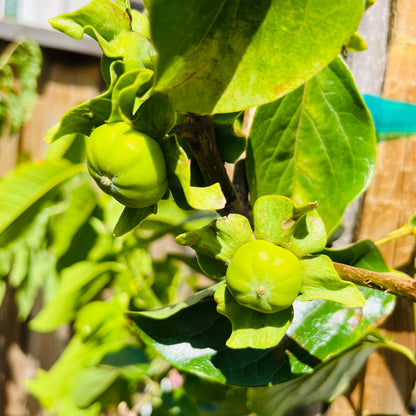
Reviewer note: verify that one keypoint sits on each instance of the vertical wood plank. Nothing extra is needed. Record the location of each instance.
(390, 201)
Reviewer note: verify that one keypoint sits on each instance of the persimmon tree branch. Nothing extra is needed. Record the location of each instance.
(397, 285)
(200, 134)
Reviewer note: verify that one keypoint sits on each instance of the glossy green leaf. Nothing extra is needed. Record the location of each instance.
(26, 185)
(194, 339)
(251, 329)
(179, 176)
(130, 218)
(223, 56)
(221, 238)
(315, 144)
(169, 311)
(321, 281)
(328, 381)
(363, 254)
(279, 220)
(79, 284)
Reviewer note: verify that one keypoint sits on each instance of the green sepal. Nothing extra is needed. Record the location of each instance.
(251, 329)
(126, 91)
(300, 229)
(356, 43)
(155, 117)
(179, 177)
(216, 269)
(131, 218)
(321, 281)
(219, 239)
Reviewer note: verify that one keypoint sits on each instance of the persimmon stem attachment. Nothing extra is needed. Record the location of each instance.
(397, 285)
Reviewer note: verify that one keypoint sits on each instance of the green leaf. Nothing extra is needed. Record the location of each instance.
(20, 66)
(193, 340)
(328, 381)
(279, 220)
(221, 238)
(363, 254)
(169, 311)
(212, 53)
(26, 185)
(252, 329)
(321, 281)
(315, 144)
(79, 284)
(81, 203)
(93, 382)
(130, 218)
(179, 176)
(110, 24)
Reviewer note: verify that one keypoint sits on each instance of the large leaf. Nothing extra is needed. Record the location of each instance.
(324, 384)
(315, 144)
(223, 56)
(28, 184)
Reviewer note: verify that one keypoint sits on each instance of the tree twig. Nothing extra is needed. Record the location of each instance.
(200, 134)
(397, 285)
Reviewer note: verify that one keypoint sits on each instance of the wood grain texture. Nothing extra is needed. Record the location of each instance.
(390, 201)
(386, 383)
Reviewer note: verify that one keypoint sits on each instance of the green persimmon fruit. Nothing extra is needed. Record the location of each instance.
(264, 277)
(127, 164)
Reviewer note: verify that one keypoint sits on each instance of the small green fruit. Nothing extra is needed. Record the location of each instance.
(127, 164)
(264, 276)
